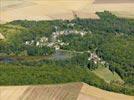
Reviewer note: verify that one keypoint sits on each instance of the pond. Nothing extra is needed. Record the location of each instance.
(8, 60)
(60, 55)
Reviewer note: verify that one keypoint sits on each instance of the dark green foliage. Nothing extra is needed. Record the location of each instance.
(108, 23)
(80, 59)
(91, 65)
(12, 74)
(118, 52)
(39, 51)
(45, 74)
(106, 16)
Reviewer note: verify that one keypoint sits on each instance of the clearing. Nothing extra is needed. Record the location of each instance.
(107, 75)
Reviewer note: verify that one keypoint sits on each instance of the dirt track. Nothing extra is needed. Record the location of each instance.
(71, 91)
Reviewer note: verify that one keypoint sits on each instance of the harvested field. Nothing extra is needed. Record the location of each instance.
(62, 9)
(43, 9)
(99, 94)
(70, 91)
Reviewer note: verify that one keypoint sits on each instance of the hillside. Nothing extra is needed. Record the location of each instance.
(70, 91)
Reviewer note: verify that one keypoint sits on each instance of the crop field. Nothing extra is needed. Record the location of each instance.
(70, 91)
(63, 9)
(44, 92)
(43, 9)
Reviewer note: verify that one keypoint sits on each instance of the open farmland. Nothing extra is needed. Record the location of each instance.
(62, 9)
(70, 91)
(43, 9)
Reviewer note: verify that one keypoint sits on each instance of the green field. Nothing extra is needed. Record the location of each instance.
(107, 75)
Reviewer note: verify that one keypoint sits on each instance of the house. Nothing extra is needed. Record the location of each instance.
(94, 57)
(57, 47)
(37, 43)
(27, 43)
(44, 39)
(50, 44)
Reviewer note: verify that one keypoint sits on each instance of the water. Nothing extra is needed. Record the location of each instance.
(60, 55)
(7, 60)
